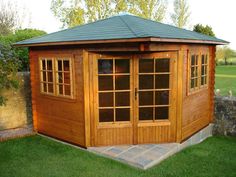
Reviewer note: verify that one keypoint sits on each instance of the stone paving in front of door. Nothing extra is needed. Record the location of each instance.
(141, 156)
(147, 155)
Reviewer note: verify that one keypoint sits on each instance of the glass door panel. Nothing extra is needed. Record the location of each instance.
(114, 90)
(153, 88)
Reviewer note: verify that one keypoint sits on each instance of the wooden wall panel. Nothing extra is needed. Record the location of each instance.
(196, 106)
(154, 134)
(114, 136)
(62, 118)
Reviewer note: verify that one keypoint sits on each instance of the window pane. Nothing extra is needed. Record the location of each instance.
(122, 98)
(60, 89)
(146, 82)
(60, 77)
(162, 65)
(161, 113)
(105, 66)
(106, 115)
(66, 65)
(44, 76)
(67, 78)
(162, 81)
(193, 60)
(195, 82)
(196, 60)
(192, 83)
(50, 77)
(49, 64)
(203, 70)
(105, 99)
(202, 80)
(105, 82)
(203, 59)
(193, 72)
(146, 98)
(162, 97)
(146, 65)
(145, 113)
(59, 65)
(122, 83)
(123, 114)
(122, 66)
(50, 88)
(44, 87)
(43, 64)
(67, 90)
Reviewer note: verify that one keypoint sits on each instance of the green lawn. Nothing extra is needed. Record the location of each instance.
(226, 79)
(36, 156)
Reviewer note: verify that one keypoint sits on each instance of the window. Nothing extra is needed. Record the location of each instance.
(198, 71)
(114, 90)
(56, 76)
(204, 70)
(46, 73)
(63, 77)
(194, 72)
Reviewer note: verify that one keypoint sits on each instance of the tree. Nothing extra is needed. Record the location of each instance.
(152, 9)
(224, 53)
(98, 9)
(181, 14)
(207, 30)
(9, 17)
(8, 70)
(78, 12)
(22, 52)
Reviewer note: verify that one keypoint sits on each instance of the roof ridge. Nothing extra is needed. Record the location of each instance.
(172, 26)
(127, 25)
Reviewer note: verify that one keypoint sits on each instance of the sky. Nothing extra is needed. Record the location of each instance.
(220, 15)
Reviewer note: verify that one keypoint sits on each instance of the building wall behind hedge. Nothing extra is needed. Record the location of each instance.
(17, 112)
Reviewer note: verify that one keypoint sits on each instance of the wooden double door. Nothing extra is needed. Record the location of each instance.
(134, 98)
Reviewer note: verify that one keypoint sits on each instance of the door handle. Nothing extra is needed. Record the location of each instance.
(135, 93)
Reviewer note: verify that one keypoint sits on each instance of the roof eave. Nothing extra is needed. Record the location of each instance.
(147, 39)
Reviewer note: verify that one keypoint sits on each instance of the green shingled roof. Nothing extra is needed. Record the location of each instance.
(121, 27)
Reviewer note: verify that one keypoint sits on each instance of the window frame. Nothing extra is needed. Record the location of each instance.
(199, 87)
(54, 60)
(41, 70)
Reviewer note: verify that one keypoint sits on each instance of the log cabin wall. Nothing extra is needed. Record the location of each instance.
(197, 106)
(62, 118)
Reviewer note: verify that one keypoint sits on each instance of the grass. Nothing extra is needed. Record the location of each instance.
(226, 79)
(36, 156)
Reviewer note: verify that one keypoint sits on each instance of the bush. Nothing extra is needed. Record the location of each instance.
(21, 52)
(9, 65)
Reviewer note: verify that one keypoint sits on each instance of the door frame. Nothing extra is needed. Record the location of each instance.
(134, 123)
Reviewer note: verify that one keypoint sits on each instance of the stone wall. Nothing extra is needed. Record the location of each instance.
(17, 112)
(225, 116)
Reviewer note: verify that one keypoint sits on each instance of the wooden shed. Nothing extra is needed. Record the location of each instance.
(122, 80)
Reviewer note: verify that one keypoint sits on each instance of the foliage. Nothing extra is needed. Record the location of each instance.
(224, 53)
(9, 18)
(38, 156)
(207, 30)
(82, 11)
(19, 35)
(181, 14)
(152, 9)
(8, 70)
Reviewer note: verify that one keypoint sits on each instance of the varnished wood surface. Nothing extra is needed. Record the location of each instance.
(62, 118)
(75, 120)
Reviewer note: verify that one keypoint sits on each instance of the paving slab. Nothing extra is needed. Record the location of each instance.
(145, 156)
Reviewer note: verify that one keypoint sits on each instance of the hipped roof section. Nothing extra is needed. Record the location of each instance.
(122, 28)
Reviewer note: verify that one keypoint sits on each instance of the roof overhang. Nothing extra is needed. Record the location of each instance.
(147, 39)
